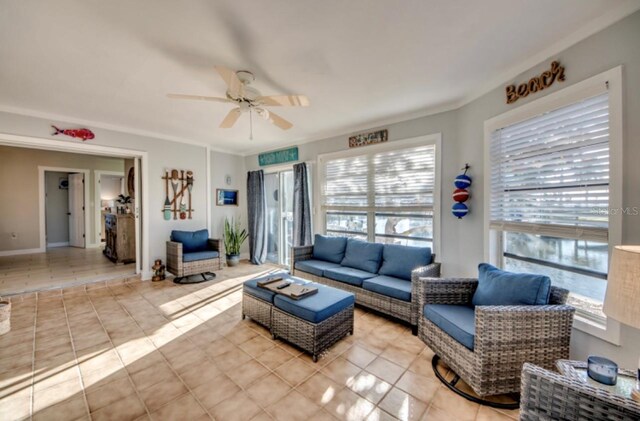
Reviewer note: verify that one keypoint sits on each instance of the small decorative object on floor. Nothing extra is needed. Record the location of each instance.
(233, 239)
(5, 317)
(84, 134)
(602, 370)
(461, 194)
(158, 271)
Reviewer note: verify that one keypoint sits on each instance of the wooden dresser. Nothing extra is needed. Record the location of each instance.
(120, 238)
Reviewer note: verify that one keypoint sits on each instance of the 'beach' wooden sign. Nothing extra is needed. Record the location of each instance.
(535, 84)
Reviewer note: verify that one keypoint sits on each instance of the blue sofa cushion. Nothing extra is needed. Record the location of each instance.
(317, 307)
(315, 267)
(199, 255)
(348, 275)
(499, 288)
(251, 286)
(330, 249)
(459, 322)
(399, 261)
(389, 286)
(363, 255)
(191, 240)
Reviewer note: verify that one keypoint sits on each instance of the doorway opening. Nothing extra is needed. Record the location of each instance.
(56, 225)
(279, 192)
(65, 204)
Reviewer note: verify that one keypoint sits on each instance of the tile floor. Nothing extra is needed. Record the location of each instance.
(58, 266)
(126, 349)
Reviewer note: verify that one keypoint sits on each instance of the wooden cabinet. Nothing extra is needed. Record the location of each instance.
(120, 238)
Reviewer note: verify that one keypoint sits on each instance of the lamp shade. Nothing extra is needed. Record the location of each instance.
(622, 301)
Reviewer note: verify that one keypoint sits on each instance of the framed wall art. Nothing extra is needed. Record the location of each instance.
(226, 197)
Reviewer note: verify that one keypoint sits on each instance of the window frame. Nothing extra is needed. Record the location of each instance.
(431, 139)
(610, 80)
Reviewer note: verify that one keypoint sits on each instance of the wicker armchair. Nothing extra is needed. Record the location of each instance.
(403, 310)
(505, 336)
(177, 266)
(550, 396)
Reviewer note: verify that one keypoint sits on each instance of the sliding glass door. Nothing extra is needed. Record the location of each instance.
(279, 191)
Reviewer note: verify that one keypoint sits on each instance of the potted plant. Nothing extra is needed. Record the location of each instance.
(124, 200)
(233, 239)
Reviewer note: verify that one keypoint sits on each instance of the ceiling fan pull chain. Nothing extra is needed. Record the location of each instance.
(250, 124)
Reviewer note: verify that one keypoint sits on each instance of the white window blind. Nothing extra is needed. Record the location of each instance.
(550, 174)
(386, 180)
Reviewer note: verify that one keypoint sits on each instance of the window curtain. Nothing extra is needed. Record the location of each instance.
(256, 209)
(301, 206)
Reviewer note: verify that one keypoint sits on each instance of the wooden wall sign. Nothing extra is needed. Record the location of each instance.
(535, 84)
(278, 157)
(365, 139)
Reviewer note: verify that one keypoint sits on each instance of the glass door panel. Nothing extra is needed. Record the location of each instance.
(272, 191)
(286, 207)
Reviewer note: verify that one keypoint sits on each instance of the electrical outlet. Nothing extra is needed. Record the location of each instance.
(14, 235)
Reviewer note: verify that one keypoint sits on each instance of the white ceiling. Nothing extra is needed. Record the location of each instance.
(110, 63)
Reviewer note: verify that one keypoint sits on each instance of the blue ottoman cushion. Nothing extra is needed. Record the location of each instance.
(330, 249)
(348, 275)
(251, 286)
(399, 261)
(499, 288)
(191, 240)
(199, 255)
(459, 322)
(363, 255)
(315, 267)
(389, 286)
(317, 307)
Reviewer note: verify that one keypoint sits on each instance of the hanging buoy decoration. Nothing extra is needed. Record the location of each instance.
(459, 210)
(461, 194)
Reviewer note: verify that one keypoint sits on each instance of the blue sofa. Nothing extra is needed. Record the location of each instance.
(380, 275)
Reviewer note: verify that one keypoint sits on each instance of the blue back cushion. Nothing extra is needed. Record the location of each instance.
(399, 261)
(499, 288)
(329, 249)
(363, 255)
(191, 240)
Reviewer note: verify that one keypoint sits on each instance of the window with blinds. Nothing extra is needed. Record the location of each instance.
(550, 174)
(549, 179)
(385, 196)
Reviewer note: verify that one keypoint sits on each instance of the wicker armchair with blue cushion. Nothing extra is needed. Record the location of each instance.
(485, 329)
(193, 253)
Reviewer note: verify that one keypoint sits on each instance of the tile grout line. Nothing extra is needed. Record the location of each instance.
(124, 366)
(33, 358)
(75, 356)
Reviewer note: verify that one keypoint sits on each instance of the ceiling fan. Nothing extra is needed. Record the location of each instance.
(248, 99)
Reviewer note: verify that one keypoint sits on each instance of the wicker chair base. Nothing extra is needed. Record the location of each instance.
(314, 338)
(500, 401)
(398, 309)
(257, 310)
(191, 279)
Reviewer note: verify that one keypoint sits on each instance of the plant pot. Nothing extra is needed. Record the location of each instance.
(233, 259)
(5, 317)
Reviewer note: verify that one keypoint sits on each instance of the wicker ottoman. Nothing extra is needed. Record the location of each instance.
(257, 302)
(316, 322)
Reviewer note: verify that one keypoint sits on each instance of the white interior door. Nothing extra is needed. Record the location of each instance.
(76, 210)
(136, 211)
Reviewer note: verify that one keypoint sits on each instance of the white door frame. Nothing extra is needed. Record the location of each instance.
(41, 201)
(98, 208)
(142, 265)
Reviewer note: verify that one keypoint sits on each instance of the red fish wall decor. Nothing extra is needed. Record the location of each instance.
(84, 134)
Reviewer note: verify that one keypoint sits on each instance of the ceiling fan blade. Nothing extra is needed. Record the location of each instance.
(230, 119)
(279, 121)
(231, 79)
(285, 100)
(198, 97)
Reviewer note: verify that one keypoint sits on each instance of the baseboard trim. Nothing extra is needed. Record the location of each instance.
(54, 245)
(146, 275)
(23, 251)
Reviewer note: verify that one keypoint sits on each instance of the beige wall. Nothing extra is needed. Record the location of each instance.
(19, 196)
